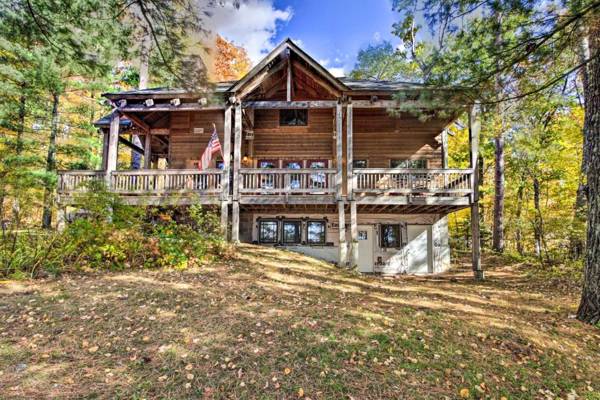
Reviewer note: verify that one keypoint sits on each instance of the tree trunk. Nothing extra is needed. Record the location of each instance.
(143, 84)
(518, 232)
(50, 165)
(16, 206)
(498, 236)
(577, 245)
(538, 224)
(144, 58)
(498, 232)
(589, 308)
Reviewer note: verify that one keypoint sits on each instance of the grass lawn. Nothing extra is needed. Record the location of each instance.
(270, 324)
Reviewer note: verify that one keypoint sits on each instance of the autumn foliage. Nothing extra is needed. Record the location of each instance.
(231, 61)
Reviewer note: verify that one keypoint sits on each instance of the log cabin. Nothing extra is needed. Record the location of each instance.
(326, 166)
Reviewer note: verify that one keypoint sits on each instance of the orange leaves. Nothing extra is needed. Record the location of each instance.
(231, 62)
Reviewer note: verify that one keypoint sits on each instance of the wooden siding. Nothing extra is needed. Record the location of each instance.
(293, 142)
(378, 137)
(185, 145)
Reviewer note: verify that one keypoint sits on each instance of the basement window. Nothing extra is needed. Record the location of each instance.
(267, 231)
(291, 232)
(293, 117)
(315, 232)
(390, 236)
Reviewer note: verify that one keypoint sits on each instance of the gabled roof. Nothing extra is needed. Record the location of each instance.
(288, 44)
(345, 85)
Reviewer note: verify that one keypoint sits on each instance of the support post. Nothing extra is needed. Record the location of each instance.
(237, 150)
(444, 149)
(235, 222)
(61, 218)
(343, 249)
(147, 150)
(104, 148)
(353, 235)
(339, 144)
(113, 143)
(226, 170)
(349, 154)
(237, 157)
(474, 129)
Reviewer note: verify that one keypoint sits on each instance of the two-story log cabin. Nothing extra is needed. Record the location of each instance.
(310, 162)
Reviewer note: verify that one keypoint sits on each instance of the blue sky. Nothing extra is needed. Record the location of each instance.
(332, 31)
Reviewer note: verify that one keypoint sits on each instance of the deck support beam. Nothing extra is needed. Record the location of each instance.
(474, 129)
(226, 170)
(237, 163)
(349, 154)
(343, 248)
(61, 218)
(339, 154)
(235, 222)
(113, 143)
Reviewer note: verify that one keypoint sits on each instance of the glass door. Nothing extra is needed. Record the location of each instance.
(318, 180)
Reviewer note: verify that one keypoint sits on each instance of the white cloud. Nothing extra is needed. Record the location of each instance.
(338, 72)
(252, 26)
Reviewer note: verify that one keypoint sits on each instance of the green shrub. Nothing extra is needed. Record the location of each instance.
(113, 236)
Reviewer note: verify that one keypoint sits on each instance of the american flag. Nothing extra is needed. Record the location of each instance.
(214, 146)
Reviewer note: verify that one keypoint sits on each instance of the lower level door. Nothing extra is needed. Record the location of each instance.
(365, 248)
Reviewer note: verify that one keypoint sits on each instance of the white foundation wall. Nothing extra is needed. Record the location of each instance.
(426, 249)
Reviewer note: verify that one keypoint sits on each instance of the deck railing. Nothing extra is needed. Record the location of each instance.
(76, 181)
(255, 181)
(149, 181)
(166, 181)
(450, 182)
(287, 181)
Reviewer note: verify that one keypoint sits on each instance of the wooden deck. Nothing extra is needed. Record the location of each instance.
(370, 187)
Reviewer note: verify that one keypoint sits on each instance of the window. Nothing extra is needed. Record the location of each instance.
(359, 164)
(293, 117)
(315, 232)
(419, 164)
(267, 231)
(390, 236)
(267, 181)
(220, 164)
(295, 179)
(317, 180)
(291, 232)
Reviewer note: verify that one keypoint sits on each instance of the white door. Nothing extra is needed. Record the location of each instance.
(365, 248)
(420, 257)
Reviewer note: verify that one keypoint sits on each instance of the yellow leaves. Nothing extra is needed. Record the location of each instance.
(93, 349)
(189, 377)
(464, 393)
(300, 392)
(287, 371)
(189, 367)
